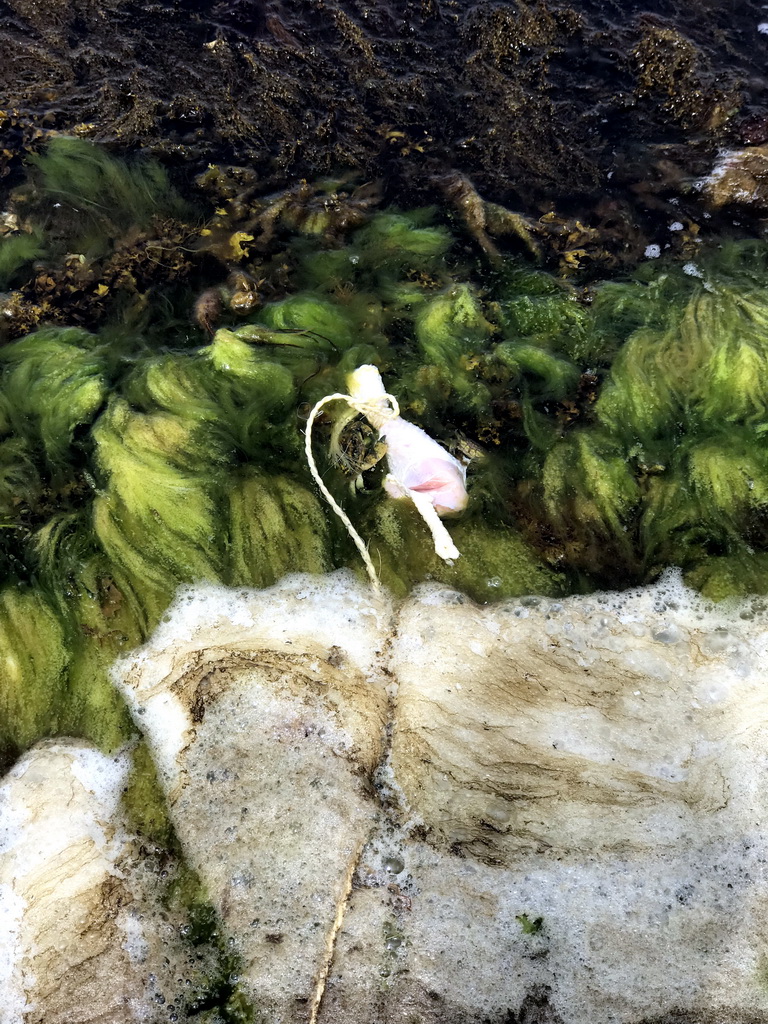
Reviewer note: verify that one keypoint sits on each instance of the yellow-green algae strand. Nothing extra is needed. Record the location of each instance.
(128, 468)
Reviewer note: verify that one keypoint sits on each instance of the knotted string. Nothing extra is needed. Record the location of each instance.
(382, 408)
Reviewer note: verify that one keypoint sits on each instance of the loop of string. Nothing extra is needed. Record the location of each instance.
(383, 408)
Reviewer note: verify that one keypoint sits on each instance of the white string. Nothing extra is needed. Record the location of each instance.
(378, 407)
(444, 546)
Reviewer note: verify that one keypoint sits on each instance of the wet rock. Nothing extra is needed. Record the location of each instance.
(533, 100)
(564, 730)
(87, 930)
(572, 782)
(266, 715)
(564, 827)
(740, 176)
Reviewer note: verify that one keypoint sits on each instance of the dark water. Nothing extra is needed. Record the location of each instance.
(535, 102)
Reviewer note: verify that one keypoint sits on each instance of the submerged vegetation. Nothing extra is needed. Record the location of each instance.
(610, 430)
(162, 341)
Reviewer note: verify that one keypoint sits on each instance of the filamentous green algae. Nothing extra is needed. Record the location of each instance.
(609, 433)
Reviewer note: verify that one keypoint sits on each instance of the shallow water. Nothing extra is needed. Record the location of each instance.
(543, 224)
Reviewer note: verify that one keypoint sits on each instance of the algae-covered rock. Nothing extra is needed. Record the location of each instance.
(623, 423)
(740, 178)
(479, 89)
(608, 434)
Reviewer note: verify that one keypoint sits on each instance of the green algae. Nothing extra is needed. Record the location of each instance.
(143, 803)
(155, 520)
(275, 527)
(529, 926)
(495, 562)
(623, 431)
(15, 252)
(587, 482)
(723, 577)
(88, 236)
(54, 382)
(556, 377)
(34, 662)
(214, 993)
(610, 433)
(104, 192)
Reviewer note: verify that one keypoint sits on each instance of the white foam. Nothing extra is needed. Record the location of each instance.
(644, 738)
(13, 1002)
